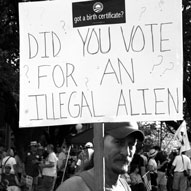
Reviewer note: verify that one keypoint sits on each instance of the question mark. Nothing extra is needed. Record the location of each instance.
(169, 68)
(158, 63)
(87, 82)
(143, 10)
(161, 2)
(122, 12)
(27, 70)
(63, 26)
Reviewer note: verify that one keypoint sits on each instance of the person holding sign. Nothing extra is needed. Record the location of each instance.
(119, 148)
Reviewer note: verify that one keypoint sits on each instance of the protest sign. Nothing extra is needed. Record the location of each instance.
(90, 62)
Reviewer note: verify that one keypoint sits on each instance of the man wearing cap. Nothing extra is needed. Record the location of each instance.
(32, 164)
(119, 148)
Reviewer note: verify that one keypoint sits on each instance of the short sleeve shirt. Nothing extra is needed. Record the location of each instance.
(179, 167)
(53, 170)
(11, 161)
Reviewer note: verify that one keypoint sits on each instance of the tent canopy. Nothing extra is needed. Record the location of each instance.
(83, 137)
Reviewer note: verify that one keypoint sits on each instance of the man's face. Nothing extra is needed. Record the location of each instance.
(7, 170)
(118, 153)
(33, 148)
(49, 150)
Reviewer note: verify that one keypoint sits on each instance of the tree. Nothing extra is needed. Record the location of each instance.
(9, 63)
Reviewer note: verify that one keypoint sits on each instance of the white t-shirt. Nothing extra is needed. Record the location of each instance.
(179, 164)
(52, 171)
(11, 161)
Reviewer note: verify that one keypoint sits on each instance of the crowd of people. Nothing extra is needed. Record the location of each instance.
(127, 165)
(42, 168)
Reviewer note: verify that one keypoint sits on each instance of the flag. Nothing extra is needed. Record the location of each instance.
(182, 137)
(147, 181)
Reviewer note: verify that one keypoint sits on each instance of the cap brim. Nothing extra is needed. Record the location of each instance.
(152, 155)
(87, 135)
(122, 130)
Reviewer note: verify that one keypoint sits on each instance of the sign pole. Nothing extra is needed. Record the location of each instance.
(99, 165)
(66, 164)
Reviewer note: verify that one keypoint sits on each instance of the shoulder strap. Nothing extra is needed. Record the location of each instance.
(3, 165)
(88, 179)
(6, 161)
(183, 161)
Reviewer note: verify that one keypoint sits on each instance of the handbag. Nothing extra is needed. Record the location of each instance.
(185, 171)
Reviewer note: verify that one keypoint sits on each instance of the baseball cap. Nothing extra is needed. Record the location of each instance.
(152, 153)
(33, 143)
(120, 130)
(89, 145)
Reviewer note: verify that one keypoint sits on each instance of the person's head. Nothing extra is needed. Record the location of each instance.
(50, 148)
(152, 153)
(33, 146)
(10, 152)
(161, 156)
(173, 154)
(7, 168)
(58, 148)
(120, 145)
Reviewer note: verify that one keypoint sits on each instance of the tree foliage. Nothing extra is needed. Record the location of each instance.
(9, 61)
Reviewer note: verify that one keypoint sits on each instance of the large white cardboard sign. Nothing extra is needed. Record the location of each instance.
(87, 62)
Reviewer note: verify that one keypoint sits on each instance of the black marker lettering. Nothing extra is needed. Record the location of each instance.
(75, 105)
(45, 44)
(54, 37)
(112, 72)
(121, 103)
(144, 101)
(131, 76)
(61, 103)
(39, 75)
(176, 105)
(162, 40)
(35, 44)
(157, 101)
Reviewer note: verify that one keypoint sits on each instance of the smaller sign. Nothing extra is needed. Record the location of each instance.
(98, 13)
